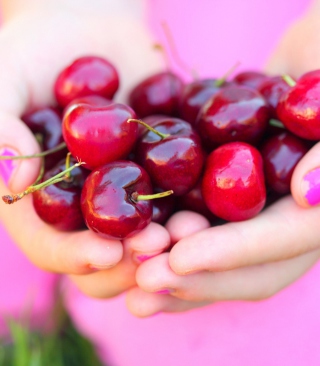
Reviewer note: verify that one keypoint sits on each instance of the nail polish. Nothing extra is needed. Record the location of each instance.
(7, 166)
(165, 291)
(311, 187)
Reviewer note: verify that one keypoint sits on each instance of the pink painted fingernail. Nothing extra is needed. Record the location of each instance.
(140, 257)
(7, 166)
(165, 291)
(311, 187)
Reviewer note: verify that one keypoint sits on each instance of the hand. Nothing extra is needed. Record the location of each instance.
(36, 42)
(250, 260)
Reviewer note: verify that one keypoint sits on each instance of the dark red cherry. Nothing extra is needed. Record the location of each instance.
(59, 204)
(86, 76)
(194, 95)
(110, 200)
(299, 107)
(158, 94)
(233, 185)
(235, 113)
(162, 208)
(46, 121)
(174, 161)
(252, 79)
(281, 154)
(93, 100)
(272, 90)
(99, 135)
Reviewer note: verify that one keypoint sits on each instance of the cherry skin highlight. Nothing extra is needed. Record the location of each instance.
(86, 76)
(233, 185)
(108, 200)
(98, 135)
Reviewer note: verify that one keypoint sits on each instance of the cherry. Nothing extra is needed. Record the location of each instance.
(46, 121)
(194, 95)
(157, 94)
(93, 100)
(235, 113)
(98, 135)
(272, 90)
(85, 76)
(233, 185)
(299, 107)
(59, 204)
(252, 79)
(172, 155)
(113, 200)
(281, 153)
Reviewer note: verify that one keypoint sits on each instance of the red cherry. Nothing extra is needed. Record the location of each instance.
(281, 154)
(99, 135)
(299, 107)
(272, 90)
(109, 200)
(46, 121)
(85, 76)
(59, 204)
(252, 79)
(233, 185)
(235, 113)
(194, 95)
(93, 100)
(158, 94)
(173, 161)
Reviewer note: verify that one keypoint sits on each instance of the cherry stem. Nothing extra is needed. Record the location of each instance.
(288, 79)
(135, 196)
(59, 147)
(9, 199)
(219, 82)
(160, 134)
(276, 123)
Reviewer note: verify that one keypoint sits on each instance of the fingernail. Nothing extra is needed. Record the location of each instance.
(7, 166)
(311, 187)
(140, 257)
(98, 267)
(165, 291)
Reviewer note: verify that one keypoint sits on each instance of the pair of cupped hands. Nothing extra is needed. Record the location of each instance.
(249, 260)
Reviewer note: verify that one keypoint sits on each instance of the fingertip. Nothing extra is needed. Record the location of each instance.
(14, 141)
(305, 182)
(185, 223)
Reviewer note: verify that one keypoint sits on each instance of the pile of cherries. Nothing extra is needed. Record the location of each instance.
(223, 148)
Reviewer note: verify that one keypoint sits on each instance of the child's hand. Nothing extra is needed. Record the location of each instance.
(35, 44)
(249, 260)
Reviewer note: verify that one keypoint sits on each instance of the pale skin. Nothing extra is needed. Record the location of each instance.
(250, 260)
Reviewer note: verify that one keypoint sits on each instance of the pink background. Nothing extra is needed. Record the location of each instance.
(211, 36)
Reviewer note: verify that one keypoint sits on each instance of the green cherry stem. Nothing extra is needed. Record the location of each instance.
(161, 135)
(288, 79)
(219, 82)
(59, 147)
(276, 123)
(9, 199)
(135, 196)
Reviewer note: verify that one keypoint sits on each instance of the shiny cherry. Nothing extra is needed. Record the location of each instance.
(46, 121)
(98, 135)
(281, 153)
(157, 94)
(85, 76)
(110, 200)
(299, 107)
(173, 161)
(251, 78)
(59, 204)
(233, 185)
(235, 113)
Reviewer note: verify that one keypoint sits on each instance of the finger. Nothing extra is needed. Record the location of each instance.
(64, 252)
(185, 223)
(143, 304)
(152, 240)
(272, 235)
(248, 283)
(305, 182)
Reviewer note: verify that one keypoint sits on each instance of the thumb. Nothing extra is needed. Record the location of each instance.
(15, 137)
(305, 182)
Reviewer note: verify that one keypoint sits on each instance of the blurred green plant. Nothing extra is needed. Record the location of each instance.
(63, 346)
